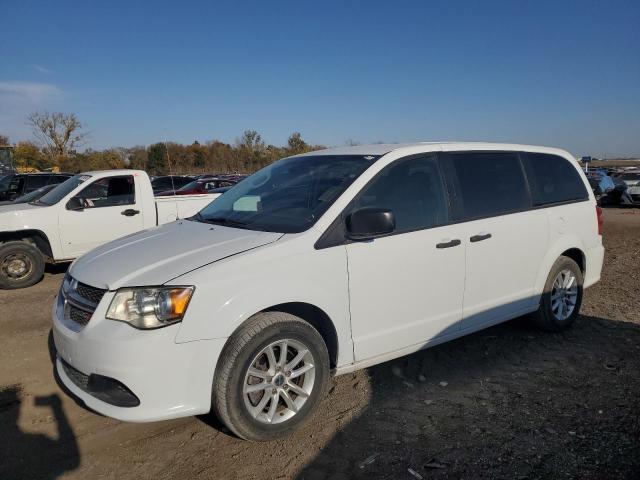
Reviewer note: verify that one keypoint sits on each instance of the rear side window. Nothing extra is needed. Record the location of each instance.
(553, 179)
(488, 183)
(56, 179)
(412, 189)
(36, 181)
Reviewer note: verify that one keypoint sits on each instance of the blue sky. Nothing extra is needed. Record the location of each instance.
(554, 73)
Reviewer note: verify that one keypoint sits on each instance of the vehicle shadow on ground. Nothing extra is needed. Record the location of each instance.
(56, 268)
(507, 402)
(35, 455)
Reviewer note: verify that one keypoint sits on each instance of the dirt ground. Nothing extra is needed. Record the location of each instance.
(509, 402)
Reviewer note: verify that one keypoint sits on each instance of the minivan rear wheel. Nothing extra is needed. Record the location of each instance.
(271, 376)
(562, 296)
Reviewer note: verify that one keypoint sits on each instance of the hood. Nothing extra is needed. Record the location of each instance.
(18, 207)
(155, 256)
(17, 216)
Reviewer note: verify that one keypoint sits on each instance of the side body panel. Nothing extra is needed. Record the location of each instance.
(171, 208)
(501, 271)
(404, 290)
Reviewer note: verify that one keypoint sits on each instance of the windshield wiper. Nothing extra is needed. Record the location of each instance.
(197, 217)
(224, 221)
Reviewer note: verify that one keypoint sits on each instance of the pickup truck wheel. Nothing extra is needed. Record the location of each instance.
(270, 377)
(21, 265)
(562, 296)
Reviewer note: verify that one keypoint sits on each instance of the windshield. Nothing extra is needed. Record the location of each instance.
(288, 196)
(62, 190)
(31, 196)
(190, 185)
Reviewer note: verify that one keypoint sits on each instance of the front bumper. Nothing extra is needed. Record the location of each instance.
(170, 379)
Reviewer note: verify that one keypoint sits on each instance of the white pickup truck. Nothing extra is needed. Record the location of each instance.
(80, 214)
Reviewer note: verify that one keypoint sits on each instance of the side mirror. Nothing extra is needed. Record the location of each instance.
(75, 204)
(369, 223)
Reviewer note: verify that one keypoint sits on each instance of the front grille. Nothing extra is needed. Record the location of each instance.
(79, 316)
(93, 294)
(77, 377)
(79, 301)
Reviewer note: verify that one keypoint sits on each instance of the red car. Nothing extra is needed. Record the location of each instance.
(201, 186)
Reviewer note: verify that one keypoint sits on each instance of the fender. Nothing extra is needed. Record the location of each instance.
(40, 238)
(236, 290)
(555, 250)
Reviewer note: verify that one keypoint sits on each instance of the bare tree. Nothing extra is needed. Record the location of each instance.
(59, 133)
(4, 140)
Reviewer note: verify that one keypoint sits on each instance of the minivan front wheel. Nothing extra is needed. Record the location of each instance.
(270, 377)
(562, 296)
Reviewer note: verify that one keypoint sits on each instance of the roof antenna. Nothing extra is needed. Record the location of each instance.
(173, 187)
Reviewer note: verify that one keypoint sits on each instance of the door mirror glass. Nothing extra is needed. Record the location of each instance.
(76, 204)
(368, 223)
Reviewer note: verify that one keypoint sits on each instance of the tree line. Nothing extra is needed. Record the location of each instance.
(58, 138)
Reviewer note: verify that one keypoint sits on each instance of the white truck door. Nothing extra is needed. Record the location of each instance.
(406, 288)
(105, 209)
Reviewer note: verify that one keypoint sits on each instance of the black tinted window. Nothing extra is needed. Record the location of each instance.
(489, 183)
(553, 179)
(36, 181)
(412, 189)
(17, 184)
(56, 179)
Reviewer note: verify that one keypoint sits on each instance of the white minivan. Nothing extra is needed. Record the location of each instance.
(322, 264)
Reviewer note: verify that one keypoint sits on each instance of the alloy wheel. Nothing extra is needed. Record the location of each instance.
(279, 381)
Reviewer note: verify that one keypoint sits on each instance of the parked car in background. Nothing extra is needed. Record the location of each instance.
(323, 263)
(632, 181)
(169, 182)
(30, 197)
(17, 184)
(201, 186)
(608, 190)
(82, 213)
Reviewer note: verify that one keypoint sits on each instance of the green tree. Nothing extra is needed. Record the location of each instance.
(296, 145)
(27, 155)
(156, 159)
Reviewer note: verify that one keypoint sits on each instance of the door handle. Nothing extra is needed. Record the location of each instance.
(480, 237)
(130, 212)
(448, 244)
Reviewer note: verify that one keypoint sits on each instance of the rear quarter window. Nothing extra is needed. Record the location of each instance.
(553, 179)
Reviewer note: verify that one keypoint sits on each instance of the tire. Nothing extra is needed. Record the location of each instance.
(550, 315)
(15, 257)
(247, 348)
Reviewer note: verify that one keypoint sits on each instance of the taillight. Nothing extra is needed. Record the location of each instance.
(600, 219)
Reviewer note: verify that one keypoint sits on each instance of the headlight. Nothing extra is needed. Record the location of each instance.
(151, 307)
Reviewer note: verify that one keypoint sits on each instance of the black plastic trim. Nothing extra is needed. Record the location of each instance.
(449, 244)
(107, 389)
